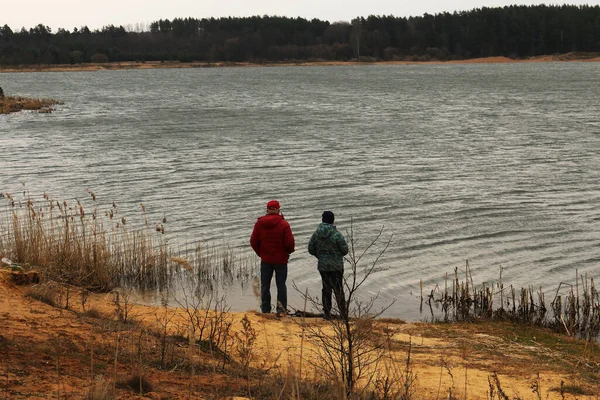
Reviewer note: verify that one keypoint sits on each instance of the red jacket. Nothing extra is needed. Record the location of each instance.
(272, 239)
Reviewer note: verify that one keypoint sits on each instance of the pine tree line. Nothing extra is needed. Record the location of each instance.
(511, 31)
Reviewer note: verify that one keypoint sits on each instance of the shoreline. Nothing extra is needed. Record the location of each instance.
(569, 57)
(13, 104)
(87, 338)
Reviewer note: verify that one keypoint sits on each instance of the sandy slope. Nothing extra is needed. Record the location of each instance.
(572, 57)
(45, 351)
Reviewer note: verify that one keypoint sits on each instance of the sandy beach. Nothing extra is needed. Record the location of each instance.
(569, 57)
(50, 350)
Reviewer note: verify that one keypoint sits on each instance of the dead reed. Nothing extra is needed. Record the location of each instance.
(72, 245)
(219, 264)
(79, 243)
(574, 310)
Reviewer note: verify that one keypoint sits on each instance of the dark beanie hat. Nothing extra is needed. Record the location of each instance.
(328, 217)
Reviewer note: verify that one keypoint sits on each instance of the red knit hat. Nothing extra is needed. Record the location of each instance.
(273, 204)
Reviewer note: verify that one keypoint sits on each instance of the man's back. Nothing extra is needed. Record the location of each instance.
(272, 239)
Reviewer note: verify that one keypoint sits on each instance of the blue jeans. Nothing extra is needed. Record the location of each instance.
(266, 274)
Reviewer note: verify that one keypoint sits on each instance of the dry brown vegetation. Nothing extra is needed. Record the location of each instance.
(55, 345)
(92, 249)
(61, 338)
(98, 248)
(11, 104)
(574, 309)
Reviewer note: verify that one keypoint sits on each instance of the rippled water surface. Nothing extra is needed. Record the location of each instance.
(495, 164)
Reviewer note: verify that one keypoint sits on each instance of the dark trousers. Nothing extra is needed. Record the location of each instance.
(333, 281)
(266, 274)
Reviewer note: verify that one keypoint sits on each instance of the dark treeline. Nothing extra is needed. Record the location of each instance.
(512, 31)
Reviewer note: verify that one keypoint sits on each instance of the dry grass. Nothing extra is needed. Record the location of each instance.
(91, 249)
(188, 352)
(98, 248)
(574, 310)
(10, 104)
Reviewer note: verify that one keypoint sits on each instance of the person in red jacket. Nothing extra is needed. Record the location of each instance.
(273, 242)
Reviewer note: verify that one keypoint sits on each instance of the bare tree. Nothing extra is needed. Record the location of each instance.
(354, 348)
(208, 318)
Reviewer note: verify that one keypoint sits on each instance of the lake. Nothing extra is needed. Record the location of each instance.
(496, 164)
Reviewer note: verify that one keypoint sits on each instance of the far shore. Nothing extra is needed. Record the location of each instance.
(569, 57)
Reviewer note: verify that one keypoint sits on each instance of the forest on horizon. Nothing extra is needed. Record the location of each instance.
(510, 31)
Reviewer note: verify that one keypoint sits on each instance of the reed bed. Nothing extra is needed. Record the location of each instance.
(575, 308)
(79, 243)
(215, 265)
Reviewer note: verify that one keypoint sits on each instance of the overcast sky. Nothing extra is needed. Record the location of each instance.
(96, 14)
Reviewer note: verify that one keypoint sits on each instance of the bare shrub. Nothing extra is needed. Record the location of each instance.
(208, 320)
(123, 304)
(349, 349)
(101, 389)
(164, 318)
(46, 293)
(396, 379)
(245, 340)
(93, 313)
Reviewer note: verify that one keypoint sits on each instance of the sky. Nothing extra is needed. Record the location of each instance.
(68, 14)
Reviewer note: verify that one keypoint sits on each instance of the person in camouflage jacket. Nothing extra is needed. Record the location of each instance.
(330, 247)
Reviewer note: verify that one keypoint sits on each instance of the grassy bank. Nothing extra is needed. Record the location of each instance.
(89, 347)
(573, 310)
(74, 328)
(11, 104)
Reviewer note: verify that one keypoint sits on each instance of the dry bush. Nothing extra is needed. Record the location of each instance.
(123, 305)
(289, 386)
(47, 293)
(244, 344)
(207, 317)
(93, 313)
(164, 319)
(101, 389)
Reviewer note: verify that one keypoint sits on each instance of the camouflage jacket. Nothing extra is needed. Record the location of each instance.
(329, 246)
